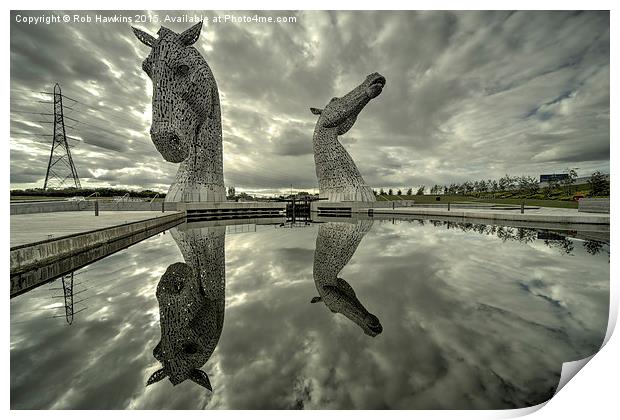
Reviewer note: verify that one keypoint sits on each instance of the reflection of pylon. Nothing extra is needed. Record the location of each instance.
(68, 293)
(67, 286)
(60, 168)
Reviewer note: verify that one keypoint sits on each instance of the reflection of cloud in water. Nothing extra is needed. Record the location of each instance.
(470, 321)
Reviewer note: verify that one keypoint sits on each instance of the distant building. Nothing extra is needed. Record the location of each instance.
(553, 177)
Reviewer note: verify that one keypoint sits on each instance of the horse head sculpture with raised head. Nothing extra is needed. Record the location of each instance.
(339, 178)
(186, 123)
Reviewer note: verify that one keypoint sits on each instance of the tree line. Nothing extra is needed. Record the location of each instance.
(598, 184)
(85, 192)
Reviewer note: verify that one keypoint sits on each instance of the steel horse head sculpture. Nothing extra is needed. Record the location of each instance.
(186, 126)
(191, 297)
(339, 179)
(335, 245)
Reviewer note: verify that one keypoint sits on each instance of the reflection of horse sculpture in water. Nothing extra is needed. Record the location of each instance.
(191, 306)
(339, 179)
(187, 126)
(335, 245)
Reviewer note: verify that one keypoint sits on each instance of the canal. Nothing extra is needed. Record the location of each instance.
(345, 313)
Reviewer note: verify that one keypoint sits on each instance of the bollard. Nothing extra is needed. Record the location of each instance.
(448, 206)
(522, 206)
(162, 206)
(393, 205)
(96, 207)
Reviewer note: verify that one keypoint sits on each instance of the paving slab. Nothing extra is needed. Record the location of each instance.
(31, 228)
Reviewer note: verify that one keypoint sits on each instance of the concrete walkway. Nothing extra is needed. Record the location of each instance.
(542, 214)
(30, 228)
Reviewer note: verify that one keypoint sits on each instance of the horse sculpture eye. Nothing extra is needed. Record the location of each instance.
(183, 69)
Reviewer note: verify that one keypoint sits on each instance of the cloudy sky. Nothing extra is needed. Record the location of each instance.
(469, 95)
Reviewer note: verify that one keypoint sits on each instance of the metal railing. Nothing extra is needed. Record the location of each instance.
(121, 199)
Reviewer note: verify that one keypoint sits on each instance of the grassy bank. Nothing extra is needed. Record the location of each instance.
(562, 197)
(431, 199)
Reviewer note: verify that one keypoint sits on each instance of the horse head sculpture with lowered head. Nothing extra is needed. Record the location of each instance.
(186, 123)
(191, 297)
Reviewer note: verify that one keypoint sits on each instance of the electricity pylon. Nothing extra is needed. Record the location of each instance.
(60, 169)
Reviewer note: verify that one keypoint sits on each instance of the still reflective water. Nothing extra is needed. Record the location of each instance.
(407, 314)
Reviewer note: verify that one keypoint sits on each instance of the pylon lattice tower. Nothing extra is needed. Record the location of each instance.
(67, 285)
(69, 289)
(60, 169)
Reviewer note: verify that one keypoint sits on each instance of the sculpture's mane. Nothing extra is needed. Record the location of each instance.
(165, 34)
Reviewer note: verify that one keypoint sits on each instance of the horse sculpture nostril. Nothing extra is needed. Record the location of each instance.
(170, 145)
(190, 348)
(374, 324)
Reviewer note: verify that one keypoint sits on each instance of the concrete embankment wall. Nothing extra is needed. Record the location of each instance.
(48, 207)
(23, 281)
(462, 211)
(394, 204)
(232, 205)
(574, 218)
(54, 206)
(355, 206)
(25, 257)
(594, 205)
(209, 211)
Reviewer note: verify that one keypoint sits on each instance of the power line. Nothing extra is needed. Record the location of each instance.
(248, 173)
(19, 111)
(83, 142)
(46, 135)
(98, 109)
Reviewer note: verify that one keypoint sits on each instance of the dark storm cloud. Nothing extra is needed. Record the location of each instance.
(292, 142)
(468, 95)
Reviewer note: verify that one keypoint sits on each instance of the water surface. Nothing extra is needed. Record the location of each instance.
(407, 314)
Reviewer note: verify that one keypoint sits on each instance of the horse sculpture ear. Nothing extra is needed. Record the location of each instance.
(201, 378)
(145, 38)
(189, 36)
(156, 377)
(316, 111)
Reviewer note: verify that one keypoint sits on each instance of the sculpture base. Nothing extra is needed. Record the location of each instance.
(362, 193)
(187, 193)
